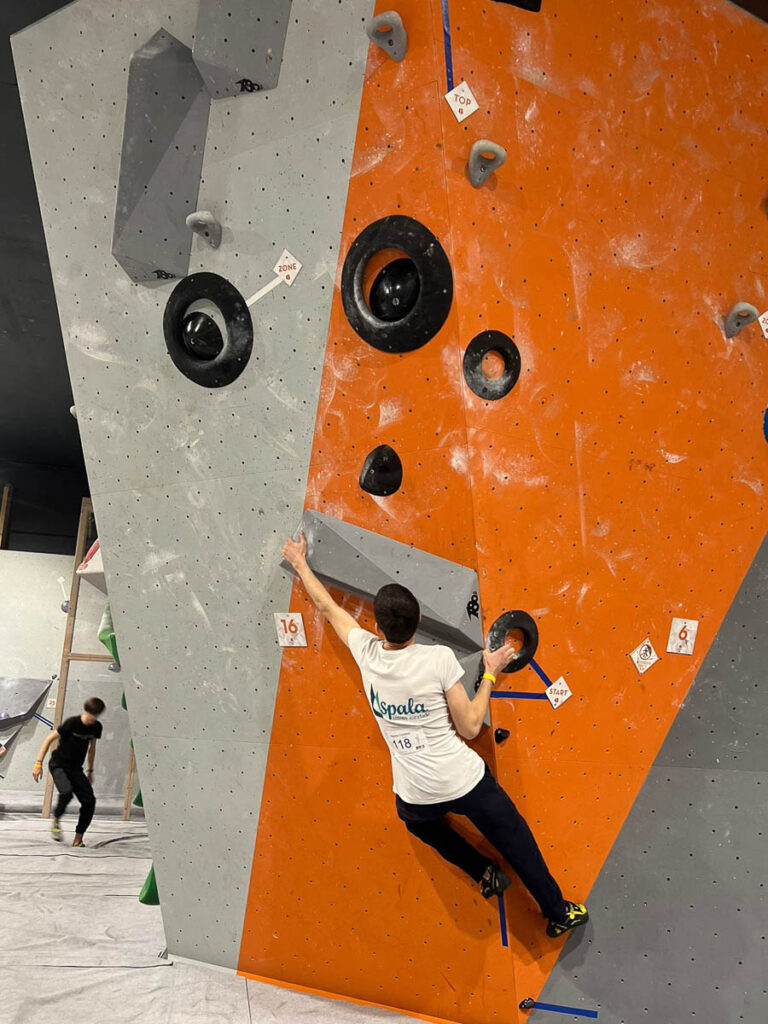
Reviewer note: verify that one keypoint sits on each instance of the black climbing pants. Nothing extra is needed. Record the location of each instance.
(492, 812)
(72, 782)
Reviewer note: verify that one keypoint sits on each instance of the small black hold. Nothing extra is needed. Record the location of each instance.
(491, 388)
(395, 290)
(501, 734)
(202, 337)
(382, 472)
(528, 1003)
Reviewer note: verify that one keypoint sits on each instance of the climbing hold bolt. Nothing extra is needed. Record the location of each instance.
(741, 314)
(203, 223)
(485, 157)
(388, 32)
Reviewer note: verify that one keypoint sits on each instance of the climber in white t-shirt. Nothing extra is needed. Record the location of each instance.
(422, 709)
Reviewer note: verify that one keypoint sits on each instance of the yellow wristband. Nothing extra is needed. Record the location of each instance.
(487, 675)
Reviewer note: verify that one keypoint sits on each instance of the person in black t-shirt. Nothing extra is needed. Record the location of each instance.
(77, 737)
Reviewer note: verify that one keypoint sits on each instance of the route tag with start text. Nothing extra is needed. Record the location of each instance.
(407, 743)
(558, 692)
(682, 636)
(290, 629)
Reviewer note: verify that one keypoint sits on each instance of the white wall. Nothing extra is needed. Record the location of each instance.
(32, 627)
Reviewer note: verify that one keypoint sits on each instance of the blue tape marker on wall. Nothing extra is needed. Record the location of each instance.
(44, 720)
(447, 45)
(503, 921)
(540, 672)
(565, 1009)
(515, 695)
(765, 424)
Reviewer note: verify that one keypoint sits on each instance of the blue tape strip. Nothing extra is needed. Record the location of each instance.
(540, 672)
(566, 1009)
(447, 45)
(41, 719)
(503, 921)
(513, 695)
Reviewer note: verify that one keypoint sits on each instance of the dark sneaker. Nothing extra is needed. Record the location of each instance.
(575, 915)
(493, 882)
(56, 830)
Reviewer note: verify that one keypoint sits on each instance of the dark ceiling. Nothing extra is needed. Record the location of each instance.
(40, 452)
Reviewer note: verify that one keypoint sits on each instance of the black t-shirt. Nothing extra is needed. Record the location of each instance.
(74, 738)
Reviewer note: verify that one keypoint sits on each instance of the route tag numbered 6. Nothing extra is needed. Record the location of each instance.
(407, 743)
(290, 629)
(682, 636)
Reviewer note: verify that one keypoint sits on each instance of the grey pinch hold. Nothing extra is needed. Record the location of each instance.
(741, 314)
(388, 31)
(480, 166)
(203, 223)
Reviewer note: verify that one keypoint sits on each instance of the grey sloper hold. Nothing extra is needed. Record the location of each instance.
(360, 562)
(741, 314)
(203, 223)
(239, 44)
(19, 699)
(485, 157)
(166, 121)
(388, 31)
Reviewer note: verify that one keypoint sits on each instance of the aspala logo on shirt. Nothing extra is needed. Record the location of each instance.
(389, 711)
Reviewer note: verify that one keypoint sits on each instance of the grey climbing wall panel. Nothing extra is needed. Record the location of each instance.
(193, 490)
(680, 908)
(166, 119)
(361, 562)
(239, 44)
(19, 699)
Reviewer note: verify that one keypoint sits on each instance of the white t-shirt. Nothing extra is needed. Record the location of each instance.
(406, 691)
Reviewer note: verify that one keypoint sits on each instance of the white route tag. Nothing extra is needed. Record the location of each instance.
(644, 656)
(290, 629)
(407, 743)
(287, 267)
(51, 702)
(763, 321)
(558, 692)
(461, 101)
(682, 636)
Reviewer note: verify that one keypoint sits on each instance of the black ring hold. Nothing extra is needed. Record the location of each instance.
(515, 620)
(382, 472)
(435, 294)
(233, 358)
(486, 387)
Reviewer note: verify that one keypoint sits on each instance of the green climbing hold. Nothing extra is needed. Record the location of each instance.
(107, 634)
(123, 705)
(148, 895)
(137, 800)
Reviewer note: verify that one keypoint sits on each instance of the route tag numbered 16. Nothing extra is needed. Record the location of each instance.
(558, 692)
(462, 101)
(290, 629)
(682, 636)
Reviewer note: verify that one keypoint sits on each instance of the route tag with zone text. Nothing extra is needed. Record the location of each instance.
(407, 743)
(558, 692)
(290, 629)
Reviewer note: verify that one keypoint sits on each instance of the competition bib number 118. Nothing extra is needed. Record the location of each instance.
(407, 743)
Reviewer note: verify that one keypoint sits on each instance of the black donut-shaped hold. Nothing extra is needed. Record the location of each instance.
(529, 629)
(486, 387)
(435, 292)
(233, 358)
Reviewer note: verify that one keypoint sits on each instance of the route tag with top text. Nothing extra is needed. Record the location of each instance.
(462, 102)
(682, 636)
(644, 656)
(558, 692)
(407, 743)
(290, 629)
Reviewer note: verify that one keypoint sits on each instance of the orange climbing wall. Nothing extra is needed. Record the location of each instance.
(620, 483)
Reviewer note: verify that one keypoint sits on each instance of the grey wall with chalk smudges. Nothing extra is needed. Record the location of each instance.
(194, 489)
